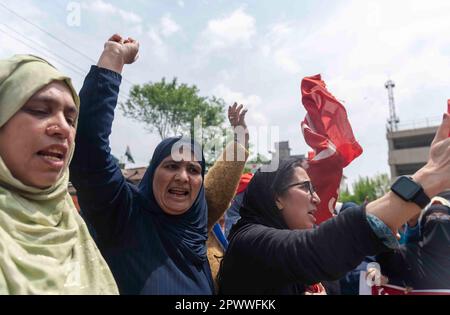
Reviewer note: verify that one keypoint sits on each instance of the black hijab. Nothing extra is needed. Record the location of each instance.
(429, 260)
(259, 204)
(426, 264)
(188, 231)
(259, 207)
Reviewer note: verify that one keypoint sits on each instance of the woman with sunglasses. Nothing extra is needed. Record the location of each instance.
(275, 249)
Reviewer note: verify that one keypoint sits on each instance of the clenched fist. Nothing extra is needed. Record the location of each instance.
(118, 52)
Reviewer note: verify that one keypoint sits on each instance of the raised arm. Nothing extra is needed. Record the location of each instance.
(102, 191)
(434, 177)
(339, 244)
(223, 177)
(306, 256)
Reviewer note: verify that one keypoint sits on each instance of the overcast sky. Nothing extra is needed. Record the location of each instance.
(256, 53)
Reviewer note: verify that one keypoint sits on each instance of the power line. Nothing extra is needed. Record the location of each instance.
(81, 74)
(46, 32)
(43, 47)
(55, 38)
(40, 51)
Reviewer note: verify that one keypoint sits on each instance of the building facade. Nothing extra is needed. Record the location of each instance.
(409, 149)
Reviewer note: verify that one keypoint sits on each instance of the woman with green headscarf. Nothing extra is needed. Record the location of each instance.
(45, 246)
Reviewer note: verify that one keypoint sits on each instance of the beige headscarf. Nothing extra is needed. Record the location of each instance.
(45, 246)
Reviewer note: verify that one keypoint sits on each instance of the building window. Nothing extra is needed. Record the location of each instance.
(413, 142)
(408, 169)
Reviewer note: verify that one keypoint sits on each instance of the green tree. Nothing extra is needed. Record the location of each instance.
(170, 108)
(367, 189)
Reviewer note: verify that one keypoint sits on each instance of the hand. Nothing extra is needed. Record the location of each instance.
(236, 116)
(117, 52)
(371, 277)
(127, 48)
(434, 175)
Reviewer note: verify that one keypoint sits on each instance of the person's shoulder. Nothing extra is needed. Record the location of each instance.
(253, 231)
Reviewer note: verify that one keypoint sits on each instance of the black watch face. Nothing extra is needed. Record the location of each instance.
(406, 188)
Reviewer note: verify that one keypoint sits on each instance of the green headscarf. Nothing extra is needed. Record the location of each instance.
(45, 246)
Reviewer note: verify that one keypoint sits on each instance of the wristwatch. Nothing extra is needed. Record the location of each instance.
(407, 189)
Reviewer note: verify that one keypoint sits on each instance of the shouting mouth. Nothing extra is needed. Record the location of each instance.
(178, 193)
(54, 156)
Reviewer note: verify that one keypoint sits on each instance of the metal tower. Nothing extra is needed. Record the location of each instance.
(393, 119)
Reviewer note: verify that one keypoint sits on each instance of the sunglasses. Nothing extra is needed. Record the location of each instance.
(306, 186)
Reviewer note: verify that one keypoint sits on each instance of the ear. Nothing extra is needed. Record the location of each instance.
(279, 203)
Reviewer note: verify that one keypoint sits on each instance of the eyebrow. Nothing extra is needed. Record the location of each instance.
(300, 183)
(195, 164)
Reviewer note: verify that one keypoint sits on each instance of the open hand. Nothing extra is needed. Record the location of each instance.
(236, 115)
(437, 168)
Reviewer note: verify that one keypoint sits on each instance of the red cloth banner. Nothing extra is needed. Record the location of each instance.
(243, 182)
(395, 290)
(328, 132)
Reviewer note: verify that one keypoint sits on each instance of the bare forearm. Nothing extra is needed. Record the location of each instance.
(393, 211)
(111, 59)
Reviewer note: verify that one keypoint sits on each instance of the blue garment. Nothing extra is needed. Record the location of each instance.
(232, 214)
(412, 234)
(379, 227)
(350, 283)
(402, 233)
(383, 232)
(148, 251)
(218, 234)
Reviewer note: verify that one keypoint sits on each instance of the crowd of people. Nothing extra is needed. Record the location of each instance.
(161, 237)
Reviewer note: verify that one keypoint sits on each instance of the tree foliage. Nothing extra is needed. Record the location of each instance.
(367, 189)
(170, 108)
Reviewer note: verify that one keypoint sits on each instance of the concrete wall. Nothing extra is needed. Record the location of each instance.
(407, 155)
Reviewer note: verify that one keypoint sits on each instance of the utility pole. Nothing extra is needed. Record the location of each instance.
(393, 119)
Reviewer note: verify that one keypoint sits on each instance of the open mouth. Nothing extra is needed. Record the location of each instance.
(178, 192)
(54, 154)
(311, 214)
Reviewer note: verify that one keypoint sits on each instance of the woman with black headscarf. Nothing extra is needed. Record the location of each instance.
(153, 236)
(423, 265)
(275, 249)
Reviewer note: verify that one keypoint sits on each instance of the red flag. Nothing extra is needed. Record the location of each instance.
(395, 290)
(328, 132)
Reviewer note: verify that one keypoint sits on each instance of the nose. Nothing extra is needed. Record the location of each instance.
(315, 198)
(182, 175)
(59, 127)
